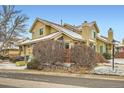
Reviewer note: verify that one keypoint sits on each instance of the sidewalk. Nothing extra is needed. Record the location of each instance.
(90, 76)
(8, 65)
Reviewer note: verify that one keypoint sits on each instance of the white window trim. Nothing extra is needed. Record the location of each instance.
(68, 41)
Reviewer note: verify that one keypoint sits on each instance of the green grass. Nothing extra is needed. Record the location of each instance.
(21, 63)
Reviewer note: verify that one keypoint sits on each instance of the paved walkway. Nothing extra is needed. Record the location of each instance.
(9, 65)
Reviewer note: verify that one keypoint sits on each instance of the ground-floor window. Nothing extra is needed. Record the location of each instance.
(27, 57)
(107, 48)
(94, 47)
(101, 49)
(66, 45)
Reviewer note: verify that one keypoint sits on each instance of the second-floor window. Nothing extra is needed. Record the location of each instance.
(41, 31)
(93, 34)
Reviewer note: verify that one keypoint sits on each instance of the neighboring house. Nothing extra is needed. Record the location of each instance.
(119, 52)
(12, 49)
(120, 46)
(87, 33)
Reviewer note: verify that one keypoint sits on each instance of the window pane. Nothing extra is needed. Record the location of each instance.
(101, 49)
(66, 45)
(41, 31)
(94, 34)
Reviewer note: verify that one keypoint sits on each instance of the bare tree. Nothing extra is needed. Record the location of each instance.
(12, 24)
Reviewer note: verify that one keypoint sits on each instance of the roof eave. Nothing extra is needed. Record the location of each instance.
(37, 19)
(96, 26)
(104, 40)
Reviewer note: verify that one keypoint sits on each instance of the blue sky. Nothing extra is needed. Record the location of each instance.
(105, 16)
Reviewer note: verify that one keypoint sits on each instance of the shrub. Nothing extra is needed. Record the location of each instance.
(33, 64)
(119, 55)
(1, 57)
(100, 58)
(48, 53)
(107, 55)
(21, 63)
(51, 55)
(83, 56)
(4, 58)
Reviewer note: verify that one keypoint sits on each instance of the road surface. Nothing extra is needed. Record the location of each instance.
(6, 86)
(69, 81)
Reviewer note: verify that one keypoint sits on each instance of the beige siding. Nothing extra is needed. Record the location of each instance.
(35, 30)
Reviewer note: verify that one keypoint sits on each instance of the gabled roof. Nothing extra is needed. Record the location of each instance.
(48, 37)
(102, 38)
(60, 28)
(74, 28)
(106, 39)
(79, 27)
(13, 44)
(94, 24)
(11, 47)
(119, 46)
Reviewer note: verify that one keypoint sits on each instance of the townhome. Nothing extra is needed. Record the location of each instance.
(86, 33)
(119, 49)
(11, 49)
(91, 33)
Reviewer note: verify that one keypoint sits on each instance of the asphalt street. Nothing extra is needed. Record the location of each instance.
(6, 86)
(81, 82)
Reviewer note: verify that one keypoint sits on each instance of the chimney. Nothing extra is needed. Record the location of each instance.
(123, 41)
(110, 35)
(85, 31)
(61, 22)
